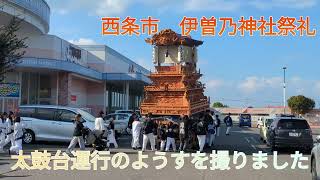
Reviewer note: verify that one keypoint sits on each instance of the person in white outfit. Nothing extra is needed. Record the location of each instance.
(136, 129)
(3, 131)
(9, 131)
(99, 124)
(170, 138)
(18, 135)
(148, 134)
(111, 134)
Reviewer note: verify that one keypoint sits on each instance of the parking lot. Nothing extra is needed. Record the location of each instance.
(243, 139)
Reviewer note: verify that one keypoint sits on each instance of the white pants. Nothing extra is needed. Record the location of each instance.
(148, 137)
(202, 141)
(112, 139)
(212, 138)
(17, 146)
(228, 129)
(217, 131)
(171, 141)
(135, 141)
(2, 140)
(76, 140)
(9, 138)
(162, 145)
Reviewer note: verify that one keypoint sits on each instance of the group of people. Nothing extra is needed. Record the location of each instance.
(202, 129)
(11, 131)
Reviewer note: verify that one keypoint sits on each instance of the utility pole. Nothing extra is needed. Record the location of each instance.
(284, 89)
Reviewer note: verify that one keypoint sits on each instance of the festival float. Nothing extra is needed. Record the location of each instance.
(175, 89)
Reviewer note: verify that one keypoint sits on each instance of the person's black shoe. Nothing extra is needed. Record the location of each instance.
(134, 148)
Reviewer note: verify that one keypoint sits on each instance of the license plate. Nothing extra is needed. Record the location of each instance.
(294, 134)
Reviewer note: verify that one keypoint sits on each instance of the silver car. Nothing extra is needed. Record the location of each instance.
(315, 160)
(51, 123)
(120, 121)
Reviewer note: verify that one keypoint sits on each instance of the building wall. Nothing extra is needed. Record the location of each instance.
(78, 89)
(64, 87)
(96, 98)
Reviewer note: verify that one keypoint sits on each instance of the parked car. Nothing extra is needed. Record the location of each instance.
(124, 111)
(290, 132)
(266, 122)
(244, 120)
(129, 112)
(315, 160)
(120, 121)
(51, 123)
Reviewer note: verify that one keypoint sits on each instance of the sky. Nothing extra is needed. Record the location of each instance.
(238, 71)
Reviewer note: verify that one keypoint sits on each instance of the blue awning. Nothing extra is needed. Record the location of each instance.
(81, 70)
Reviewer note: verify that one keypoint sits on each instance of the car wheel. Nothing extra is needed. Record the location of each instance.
(28, 137)
(314, 170)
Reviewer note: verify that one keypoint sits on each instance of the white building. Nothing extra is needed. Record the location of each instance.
(54, 71)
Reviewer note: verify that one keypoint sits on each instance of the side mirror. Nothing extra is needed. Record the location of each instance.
(318, 139)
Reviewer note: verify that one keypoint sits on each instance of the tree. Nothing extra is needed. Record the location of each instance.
(218, 105)
(11, 47)
(300, 104)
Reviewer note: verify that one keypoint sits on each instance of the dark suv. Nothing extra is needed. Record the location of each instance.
(290, 132)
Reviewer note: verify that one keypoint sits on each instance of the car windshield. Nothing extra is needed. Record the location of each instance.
(293, 124)
(268, 122)
(245, 116)
(87, 116)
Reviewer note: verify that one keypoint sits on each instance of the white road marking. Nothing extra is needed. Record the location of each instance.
(247, 139)
(254, 140)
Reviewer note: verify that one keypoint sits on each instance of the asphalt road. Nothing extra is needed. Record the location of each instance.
(244, 140)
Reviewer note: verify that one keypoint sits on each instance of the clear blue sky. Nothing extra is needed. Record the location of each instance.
(239, 71)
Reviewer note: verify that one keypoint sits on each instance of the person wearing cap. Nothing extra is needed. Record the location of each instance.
(17, 135)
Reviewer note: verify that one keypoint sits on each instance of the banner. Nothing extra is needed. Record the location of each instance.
(9, 90)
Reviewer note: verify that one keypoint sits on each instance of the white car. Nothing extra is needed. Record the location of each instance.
(315, 160)
(124, 111)
(120, 121)
(51, 123)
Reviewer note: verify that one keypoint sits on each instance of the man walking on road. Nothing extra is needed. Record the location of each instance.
(77, 135)
(201, 132)
(228, 121)
(148, 135)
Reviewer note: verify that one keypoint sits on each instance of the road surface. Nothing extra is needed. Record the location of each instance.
(245, 140)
